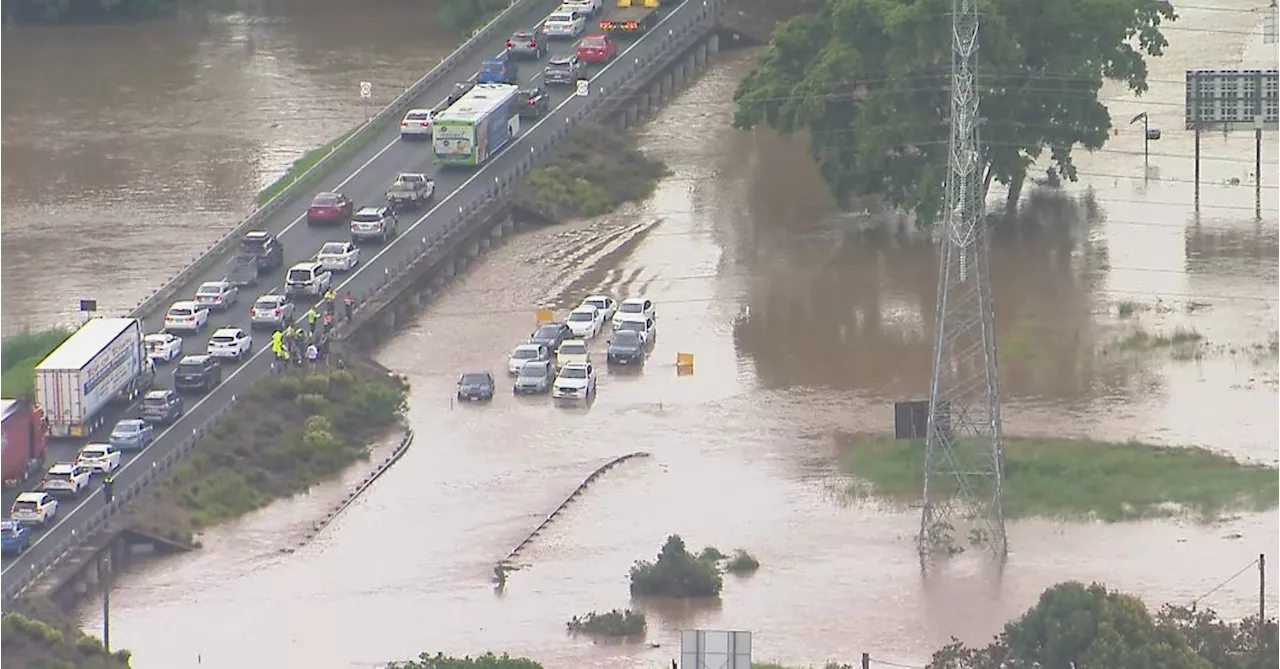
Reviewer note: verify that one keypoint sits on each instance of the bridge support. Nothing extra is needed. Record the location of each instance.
(713, 44)
(700, 56)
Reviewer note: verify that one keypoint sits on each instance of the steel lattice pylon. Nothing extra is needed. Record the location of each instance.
(964, 454)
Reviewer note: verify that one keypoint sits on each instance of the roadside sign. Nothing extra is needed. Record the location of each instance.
(582, 88)
(366, 90)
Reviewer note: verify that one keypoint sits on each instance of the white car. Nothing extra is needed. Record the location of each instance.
(526, 353)
(572, 352)
(566, 23)
(607, 305)
(163, 347)
(636, 307)
(338, 256)
(585, 322)
(186, 316)
(417, 124)
(66, 477)
(644, 326)
(588, 7)
(99, 458)
(231, 343)
(576, 381)
(217, 295)
(34, 508)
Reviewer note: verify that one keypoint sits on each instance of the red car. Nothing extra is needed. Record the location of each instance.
(329, 208)
(597, 49)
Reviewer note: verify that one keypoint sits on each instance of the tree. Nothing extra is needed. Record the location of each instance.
(676, 573)
(486, 661)
(869, 81)
(1089, 626)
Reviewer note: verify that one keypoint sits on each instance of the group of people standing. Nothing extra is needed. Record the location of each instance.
(309, 344)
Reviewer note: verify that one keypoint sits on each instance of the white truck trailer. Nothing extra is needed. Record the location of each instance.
(102, 362)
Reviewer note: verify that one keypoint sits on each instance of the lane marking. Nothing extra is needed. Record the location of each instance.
(350, 277)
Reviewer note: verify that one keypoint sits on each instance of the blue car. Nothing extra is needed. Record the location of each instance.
(498, 71)
(14, 537)
(132, 434)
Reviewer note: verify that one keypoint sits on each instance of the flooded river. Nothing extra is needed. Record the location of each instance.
(132, 148)
(804, 323)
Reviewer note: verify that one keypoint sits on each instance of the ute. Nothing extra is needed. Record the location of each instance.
(410, 190)
(632, 16)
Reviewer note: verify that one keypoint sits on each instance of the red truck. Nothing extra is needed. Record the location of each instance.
(22, 445)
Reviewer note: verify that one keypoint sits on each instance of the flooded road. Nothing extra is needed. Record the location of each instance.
(133, 147)
(804, 324)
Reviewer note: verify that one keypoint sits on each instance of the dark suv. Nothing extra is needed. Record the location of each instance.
(161, 407)
(197, 372)
(533, 102)
(265, 247)
(551, 335)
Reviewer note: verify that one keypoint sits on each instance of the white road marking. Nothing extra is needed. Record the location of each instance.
(351, 277)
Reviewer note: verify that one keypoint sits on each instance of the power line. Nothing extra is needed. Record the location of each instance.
(1223, 584)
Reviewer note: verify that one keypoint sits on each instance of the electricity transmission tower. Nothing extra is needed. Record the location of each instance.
(964, 453)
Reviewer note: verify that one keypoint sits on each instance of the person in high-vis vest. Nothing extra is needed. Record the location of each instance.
(329, 299)
(313, 317)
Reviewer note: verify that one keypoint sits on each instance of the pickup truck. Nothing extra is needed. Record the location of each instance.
(14, 537)
(410, 190)
(631, 16)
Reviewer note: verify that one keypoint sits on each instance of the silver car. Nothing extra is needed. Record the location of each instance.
(563, 71)
(271, 311)
(217, 295)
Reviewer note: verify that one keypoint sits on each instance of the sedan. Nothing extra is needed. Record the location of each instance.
(132, 434)
(597, 49)
(526, 45)
(538, 104)
(99, 458)
(563, 71)
(586, 321)
(475, 386)
(217, 295)
(339, 256)
(186, 316)
(417, 124)
(572, 351)
(163, 347)
(525, 353)
(329, 208)
(568, 24)
(232, 343)
(551, 335)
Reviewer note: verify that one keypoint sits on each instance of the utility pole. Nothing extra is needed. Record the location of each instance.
(964, 453)
(1262, 589)
(104, 569)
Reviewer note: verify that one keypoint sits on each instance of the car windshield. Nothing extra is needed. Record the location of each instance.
(334, 248)
(418, 116)
(59, 476)
(254, 244)
(534, 370)
(631, 325)
(265, 305)
(474, 379)
(126, 428)
(158, 402)
(525, 353)
(559, 18)
(191, 366)
(632, 308)
(300, 275)
(574, 373)
(209, 289)
(626, 339)
(180, 311)
(560, 65)
(573, 349)
(582, 316)
(409, 179)
(369, 216)
(595, 43)
(325, 199)
(599, 304)
(25, 506)
(548, 331)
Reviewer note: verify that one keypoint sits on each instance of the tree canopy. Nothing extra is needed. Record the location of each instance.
(869, 81)
(676, 573)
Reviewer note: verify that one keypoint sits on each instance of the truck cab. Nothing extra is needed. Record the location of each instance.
(23, 442)
(498, 71)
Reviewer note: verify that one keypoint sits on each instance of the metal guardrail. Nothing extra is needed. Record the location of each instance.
(354, 141)
(668, 48)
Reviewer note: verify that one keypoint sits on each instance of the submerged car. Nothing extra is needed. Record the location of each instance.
(535, 378)
(475, 386)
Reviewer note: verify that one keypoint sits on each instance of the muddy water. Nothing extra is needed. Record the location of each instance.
(131, 148)
(802, 322)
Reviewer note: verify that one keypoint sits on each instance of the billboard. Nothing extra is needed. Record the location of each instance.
(715, 649)
(1233, 99)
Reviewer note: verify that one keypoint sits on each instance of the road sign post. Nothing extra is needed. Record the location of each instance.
(1231, 100)
(583, 88)
(366, 94)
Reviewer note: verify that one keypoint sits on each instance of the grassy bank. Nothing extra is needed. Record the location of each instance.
(29, 643)
(19, 355)
(309, 160)
(593, 171)
(288, 433)
(1076, 478)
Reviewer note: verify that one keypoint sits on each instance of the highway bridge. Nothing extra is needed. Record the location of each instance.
(363, 174)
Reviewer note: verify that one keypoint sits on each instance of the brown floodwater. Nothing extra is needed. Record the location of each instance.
(133, 147)
(805, 323)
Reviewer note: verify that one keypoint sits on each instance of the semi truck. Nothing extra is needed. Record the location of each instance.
(102, 362)
(631, 17)
(22, 445)
(477, 125)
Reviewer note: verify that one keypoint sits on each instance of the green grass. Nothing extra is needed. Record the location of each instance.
(593, 171)
(288, 433)
(309, 160)
(615, 623)
(1078, 479)
(19, 355)
(29, 642)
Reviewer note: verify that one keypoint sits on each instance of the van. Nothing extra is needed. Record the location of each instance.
(307, 278)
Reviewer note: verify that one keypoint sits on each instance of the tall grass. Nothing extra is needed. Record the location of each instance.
(19, 355)
(1077, 478)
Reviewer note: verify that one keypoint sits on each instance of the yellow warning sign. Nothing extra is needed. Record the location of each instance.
(684, 360)
(546, 315)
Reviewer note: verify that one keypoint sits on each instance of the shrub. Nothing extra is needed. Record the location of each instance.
(742, 563)
(616, 623)
(676, 573)
(711, 554)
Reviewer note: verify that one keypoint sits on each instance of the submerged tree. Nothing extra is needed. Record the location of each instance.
(869, 81)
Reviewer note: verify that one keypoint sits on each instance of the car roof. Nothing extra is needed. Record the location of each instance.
(130, 421)
(577, 365)
(598, 297)
(527, 345)
(155, 393)
(160, 335)
(197, 357)
(305, 264)
(422, 110)
(257, 234)
(219, 283)
(190, 304)
(371, 210)
(31, 497)
(10, 524)
(270, 296)
(103, 447)
(561, 60)
(62, 465)
(227, 331)
(585, 307)
(635, 300)
(573, 342)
